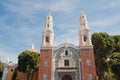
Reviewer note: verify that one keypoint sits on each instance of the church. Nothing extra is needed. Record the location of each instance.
(67, 61)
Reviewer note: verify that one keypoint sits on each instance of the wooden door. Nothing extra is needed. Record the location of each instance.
(66, 77)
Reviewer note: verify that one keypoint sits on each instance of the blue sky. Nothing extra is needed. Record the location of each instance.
(22, 21)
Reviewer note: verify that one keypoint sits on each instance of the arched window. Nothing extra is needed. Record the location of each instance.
(83, 24)
(45, 63)
(11, 70)
(85, 38)
(66, 62)
(48, 18)
(88, 61)
(66, 52)
(47, 39)
(48, 26)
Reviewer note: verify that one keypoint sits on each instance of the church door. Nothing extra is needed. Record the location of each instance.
(66, 77)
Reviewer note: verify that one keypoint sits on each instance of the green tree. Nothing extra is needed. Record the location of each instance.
(115, 64)
(28, 63)
(103, 47)
(108, 74)
(117, 43)
(1, 69)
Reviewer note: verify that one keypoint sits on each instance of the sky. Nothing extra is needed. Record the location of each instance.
(22, 22)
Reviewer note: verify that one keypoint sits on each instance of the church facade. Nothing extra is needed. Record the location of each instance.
(67, 61)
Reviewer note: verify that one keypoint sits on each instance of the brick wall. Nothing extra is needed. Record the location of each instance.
(88, 63)
(45, 67)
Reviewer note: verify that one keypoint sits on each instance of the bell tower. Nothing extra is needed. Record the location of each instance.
(46, 51)
(48, 34)
(84, 32)
(86, 50)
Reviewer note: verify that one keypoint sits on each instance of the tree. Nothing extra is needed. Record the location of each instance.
(117, 43)
(115, 64)
(108, 74)
(28, 63)
(1, 69)
(103, 47)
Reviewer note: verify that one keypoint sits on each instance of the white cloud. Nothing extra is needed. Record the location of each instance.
(105, 22)
(69, 37)
(101, 5)
(110, 4)
(63, 6)
(67, 33)
(24, 33)
(31, 7)
(4, 55)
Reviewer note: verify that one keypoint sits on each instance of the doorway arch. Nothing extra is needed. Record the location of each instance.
(66, 77)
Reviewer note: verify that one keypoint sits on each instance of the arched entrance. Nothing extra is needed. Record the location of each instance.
(67, 63)
(66, 77)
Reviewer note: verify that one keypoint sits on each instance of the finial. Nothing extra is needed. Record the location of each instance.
(49, 11)
(82, 15)
(66, 42)
(32, 46)
(8, 60)
(82, 12)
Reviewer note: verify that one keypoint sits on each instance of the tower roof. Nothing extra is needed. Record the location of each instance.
(49, 22)
(82, 15)
(83, 21)
(49, 13)
(32, 48)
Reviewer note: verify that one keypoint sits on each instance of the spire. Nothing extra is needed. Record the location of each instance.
(84, 33)
(83, 21)
(49, 22)
(48, 34)
(49, 12)
(82, 15)
(32, 48)
(8, 60)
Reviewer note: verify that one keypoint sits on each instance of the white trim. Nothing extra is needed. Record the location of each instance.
(66, 70)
